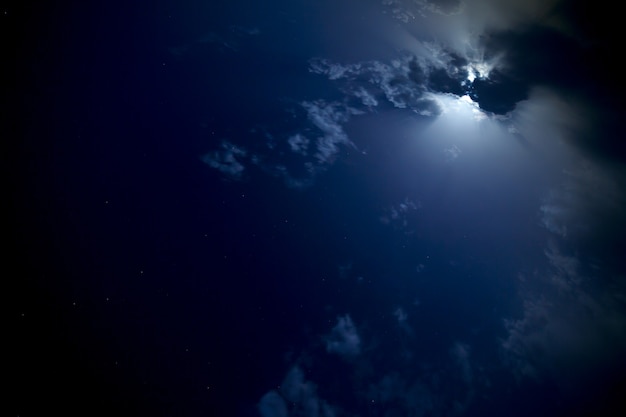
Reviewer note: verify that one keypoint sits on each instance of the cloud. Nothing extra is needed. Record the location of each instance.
(473, 17)
(461, 354)
(334, 70)
(400, 215)
(227, 160)
(401, 82)
(296, 396)
(573, 326)
(366, 97)
(329, 119)
(303, 394)
(549, 116)
(523, 44)
(401, 396)
(324, 122)
(452, 153)
(298, 143)
(402, 317)
(344, 339)
(587, 207)
(272, 405)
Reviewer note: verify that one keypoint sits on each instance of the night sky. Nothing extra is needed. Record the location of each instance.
(299, 208)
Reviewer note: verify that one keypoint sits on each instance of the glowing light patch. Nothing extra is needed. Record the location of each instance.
(479, 70)
(467, 99)
(459, 110)
(471, 76)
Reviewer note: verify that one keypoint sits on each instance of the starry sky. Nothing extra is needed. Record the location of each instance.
(314, 208)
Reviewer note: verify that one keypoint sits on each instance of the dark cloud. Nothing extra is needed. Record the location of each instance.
(571, 60)
(498, 94)
(402, 215)
(573, 326)
(441, 81)
(586, 208)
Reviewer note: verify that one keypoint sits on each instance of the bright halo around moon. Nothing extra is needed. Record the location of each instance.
(462, 122)
(459, 110)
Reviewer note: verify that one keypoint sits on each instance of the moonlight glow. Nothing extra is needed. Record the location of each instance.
(479, 70)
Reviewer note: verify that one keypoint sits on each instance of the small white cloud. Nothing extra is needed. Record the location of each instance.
(344, 338)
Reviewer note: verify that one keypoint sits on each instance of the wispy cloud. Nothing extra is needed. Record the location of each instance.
(451, 153)
(367, 98)
(401, 215)
(296, 397)
(400, 82)
(334, 70)
(402, 317)
(272, 405)
(316, 147)
(298, 143)
(344, 339)
(572, 324)
(228, 159)
(329, 119)
(587, 205)
(473, 18)
(407, 396)
(460, 352)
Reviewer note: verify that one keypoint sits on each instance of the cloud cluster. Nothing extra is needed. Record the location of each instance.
(379, 380)
(316, 146)
(403, 83)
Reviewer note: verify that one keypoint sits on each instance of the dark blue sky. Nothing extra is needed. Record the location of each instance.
(304, 208)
